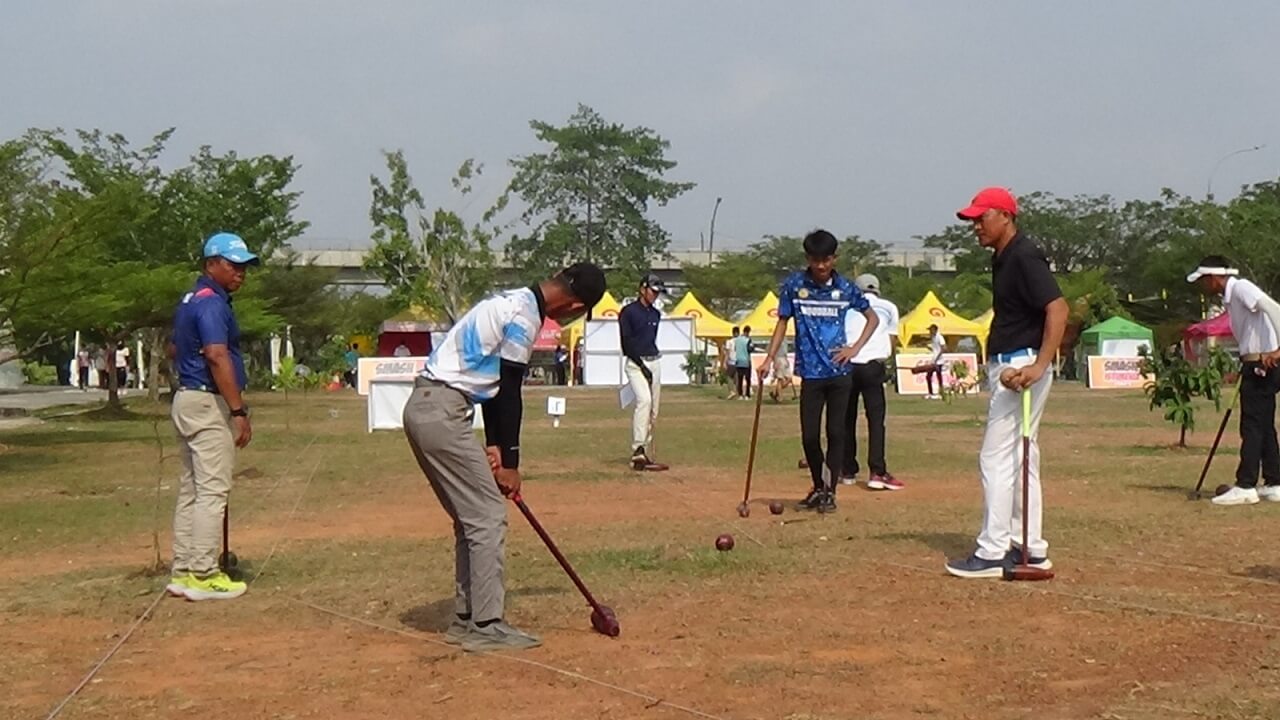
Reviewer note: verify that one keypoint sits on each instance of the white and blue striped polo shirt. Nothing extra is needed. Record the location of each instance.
(500, 327)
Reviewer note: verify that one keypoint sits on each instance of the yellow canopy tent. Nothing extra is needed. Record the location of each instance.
(985, 319)
(763, 319)
(706, 324)
(931, 311)
(608, 307)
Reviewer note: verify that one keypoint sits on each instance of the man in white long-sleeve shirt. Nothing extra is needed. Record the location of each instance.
(1255, 321)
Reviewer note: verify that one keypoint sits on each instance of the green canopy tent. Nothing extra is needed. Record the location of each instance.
(1116, 337)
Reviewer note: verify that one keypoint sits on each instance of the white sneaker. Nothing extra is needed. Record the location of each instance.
(1269, 492)
(853, 480)
(1237, 496)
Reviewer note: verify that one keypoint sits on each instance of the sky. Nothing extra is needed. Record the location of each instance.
(872, 118)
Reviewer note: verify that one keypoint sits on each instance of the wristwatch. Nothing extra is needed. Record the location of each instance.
(242, 411)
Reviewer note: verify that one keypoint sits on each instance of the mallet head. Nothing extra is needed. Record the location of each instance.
(1026, 573)
(605, 621)
(744, 510)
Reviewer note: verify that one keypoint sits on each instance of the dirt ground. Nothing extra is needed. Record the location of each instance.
(1163, 608)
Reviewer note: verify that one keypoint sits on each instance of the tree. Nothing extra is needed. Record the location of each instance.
(1175, 383)
(437, 262)
(734, 282)
(147, 227)
(586, 196)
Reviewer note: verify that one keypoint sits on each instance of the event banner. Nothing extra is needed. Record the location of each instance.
(371, 369)
(913, 383)
(1109, 373)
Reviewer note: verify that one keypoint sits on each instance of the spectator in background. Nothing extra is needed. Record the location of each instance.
(122, 366)
(100, 366)
(352, 360)
(742, 362)
(728, 365)
(562, 365)
(937, 346)
(578, 377)
(84, 362)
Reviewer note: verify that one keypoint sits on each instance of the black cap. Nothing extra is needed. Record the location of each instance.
(586, 282)
(653, 282)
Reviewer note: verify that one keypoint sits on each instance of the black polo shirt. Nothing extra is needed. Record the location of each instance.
(1021, 287)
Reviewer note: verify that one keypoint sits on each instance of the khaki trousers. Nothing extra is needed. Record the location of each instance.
(207, 450)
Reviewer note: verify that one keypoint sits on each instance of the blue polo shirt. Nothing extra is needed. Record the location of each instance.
(204, 317)
(819, 311)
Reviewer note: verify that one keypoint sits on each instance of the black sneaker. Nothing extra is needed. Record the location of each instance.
(639, 458)
(812, 500)
(827, 502)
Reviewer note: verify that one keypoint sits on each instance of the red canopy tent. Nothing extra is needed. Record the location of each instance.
(548, 335)
(1197, 338)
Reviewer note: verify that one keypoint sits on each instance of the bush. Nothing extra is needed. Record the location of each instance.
(37, 374)
(1175, 383)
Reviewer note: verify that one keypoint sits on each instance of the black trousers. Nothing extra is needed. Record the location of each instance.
(562, 374)
(831, 394)
(930, 374)
(868, 385)
(1258, 447)
(742, 380)
(84, 378)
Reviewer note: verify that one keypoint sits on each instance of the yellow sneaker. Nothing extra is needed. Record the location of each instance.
(214, 587)
(177, 586)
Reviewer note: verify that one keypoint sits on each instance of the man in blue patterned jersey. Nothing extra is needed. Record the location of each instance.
(819, 298)
(483, 360)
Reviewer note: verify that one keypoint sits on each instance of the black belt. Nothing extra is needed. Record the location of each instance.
(650, 358)
(200, 388)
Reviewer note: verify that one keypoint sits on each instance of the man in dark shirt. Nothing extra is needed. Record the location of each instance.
(1030, 316)
(638, 331)
(209, 417)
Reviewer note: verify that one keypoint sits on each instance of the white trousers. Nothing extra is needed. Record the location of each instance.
(1001, 466)
(646, 407)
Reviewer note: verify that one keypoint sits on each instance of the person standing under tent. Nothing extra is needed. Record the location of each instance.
(1030, 318)
(937, 346)
(482, 360)
(1255, 324)
(638, 332)
(868, 378)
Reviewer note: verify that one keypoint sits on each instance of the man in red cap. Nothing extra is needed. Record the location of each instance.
(1030, 317)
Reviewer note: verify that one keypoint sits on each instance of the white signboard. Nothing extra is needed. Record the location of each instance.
(912, 383)
(602, 352)
(370, 369)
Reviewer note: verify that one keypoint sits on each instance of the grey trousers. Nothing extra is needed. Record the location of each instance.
(437, 422)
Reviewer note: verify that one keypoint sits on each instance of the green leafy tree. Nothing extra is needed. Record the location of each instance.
(436, 261)
(1174, 385)
(734, 282)
(587, 196)
(147, 227)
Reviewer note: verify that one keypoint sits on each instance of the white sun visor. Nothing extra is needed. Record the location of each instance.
(1209, 270)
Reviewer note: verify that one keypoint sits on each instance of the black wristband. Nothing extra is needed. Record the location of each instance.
(240, 412)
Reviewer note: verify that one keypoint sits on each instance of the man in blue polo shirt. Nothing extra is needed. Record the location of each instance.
(819, 298)
(209, 416)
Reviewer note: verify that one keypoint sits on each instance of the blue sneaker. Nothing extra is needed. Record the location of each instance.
(1014, 557)
(976, 567)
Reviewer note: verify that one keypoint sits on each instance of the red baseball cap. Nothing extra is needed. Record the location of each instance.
(992, 198)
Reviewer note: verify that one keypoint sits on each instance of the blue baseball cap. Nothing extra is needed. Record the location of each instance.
(229, 246)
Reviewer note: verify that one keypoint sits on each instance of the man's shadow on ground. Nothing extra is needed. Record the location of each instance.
(435, 617)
